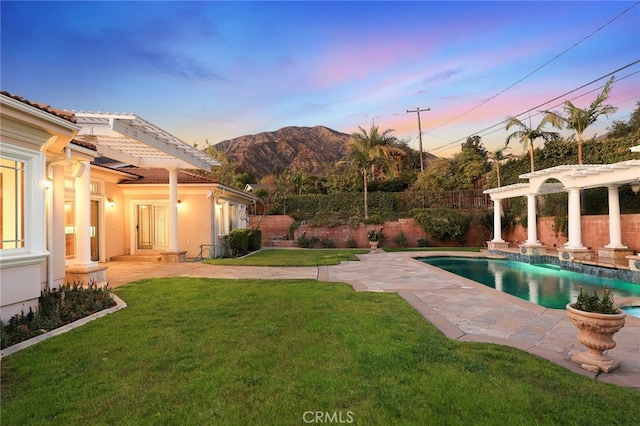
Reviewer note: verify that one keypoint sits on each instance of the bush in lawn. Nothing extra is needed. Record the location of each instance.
(239, 242)
(255, 240)
(56, 308)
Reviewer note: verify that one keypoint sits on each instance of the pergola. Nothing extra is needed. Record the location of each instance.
(132, 140)
(571, 179)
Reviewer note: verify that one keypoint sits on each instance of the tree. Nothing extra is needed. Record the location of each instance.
(620, 128)
(527, 134)
(370, 153)
(471, 163)
(497, 156)
(579, 119)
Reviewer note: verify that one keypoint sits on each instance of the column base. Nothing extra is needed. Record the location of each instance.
(614, 253)
(573, 254)
(174, 256)
(83, 275)
(634, 262)
(532, 249)
(497, 245)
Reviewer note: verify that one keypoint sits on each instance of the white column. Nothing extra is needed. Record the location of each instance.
(173, 210)
(497, 222)
(532, 230)
(615, 228)
(82, 172)
(57, 243)
(575, 222)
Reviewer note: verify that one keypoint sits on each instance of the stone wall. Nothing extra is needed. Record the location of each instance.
(595, 232)
(277, 227)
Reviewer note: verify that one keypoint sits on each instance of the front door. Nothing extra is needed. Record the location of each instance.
(152, 226)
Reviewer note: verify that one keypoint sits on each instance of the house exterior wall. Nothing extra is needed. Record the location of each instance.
(195, 214)
(31, 136)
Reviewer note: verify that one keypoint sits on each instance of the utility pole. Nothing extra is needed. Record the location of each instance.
(420, 134)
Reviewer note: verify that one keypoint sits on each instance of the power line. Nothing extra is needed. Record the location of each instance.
(536, 70)
(547, 102)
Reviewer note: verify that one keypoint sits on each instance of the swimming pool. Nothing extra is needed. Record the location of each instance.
(544, 285)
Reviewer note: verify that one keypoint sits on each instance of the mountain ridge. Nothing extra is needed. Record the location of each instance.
(297, 148)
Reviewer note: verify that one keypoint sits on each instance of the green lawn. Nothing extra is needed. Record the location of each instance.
(192, 351)
(292, 257)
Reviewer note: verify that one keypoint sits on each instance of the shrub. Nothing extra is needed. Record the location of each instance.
(401, 239)
(443, 224)
(374, 219)
(351, 243)
(255, 240)
(239, 242)
(305, 242)
(56, 308)
(327, 243)
(423, 242)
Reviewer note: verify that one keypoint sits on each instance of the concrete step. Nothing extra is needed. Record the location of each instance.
(151, 257)
(281, 243)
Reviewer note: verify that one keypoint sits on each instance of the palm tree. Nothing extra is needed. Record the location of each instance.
(527, 135)
(497, 156)
(371, 154)
(578, 119)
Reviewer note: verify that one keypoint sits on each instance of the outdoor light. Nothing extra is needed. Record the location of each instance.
(111, 202)
(635, 187)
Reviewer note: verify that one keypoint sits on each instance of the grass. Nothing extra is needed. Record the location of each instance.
(292, 257)
(212, 351)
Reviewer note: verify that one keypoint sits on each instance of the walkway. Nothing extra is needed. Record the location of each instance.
(461, 309)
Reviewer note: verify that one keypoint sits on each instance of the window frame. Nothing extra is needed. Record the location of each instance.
(34, 249)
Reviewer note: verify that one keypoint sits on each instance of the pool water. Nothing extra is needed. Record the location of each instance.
(544, 285)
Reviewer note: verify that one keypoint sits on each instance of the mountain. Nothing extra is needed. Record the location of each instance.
(296, 148)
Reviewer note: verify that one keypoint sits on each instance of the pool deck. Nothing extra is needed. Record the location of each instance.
(460, 308)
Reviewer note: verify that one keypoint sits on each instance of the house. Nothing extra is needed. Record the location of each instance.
(79, 189)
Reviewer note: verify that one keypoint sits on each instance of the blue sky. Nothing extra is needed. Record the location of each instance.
(212, 71)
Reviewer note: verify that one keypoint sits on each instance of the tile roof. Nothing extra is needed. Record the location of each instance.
(161, 176)
(84, 144)
(65, 115)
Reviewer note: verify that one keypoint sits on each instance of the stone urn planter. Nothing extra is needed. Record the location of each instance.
(596, 332)
(373, 245)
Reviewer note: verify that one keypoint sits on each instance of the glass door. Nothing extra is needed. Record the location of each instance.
(152, 227)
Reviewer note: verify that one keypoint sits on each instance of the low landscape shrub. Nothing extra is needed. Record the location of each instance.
(57, 307)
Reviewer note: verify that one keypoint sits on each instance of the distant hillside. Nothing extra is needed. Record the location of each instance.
(296, 148)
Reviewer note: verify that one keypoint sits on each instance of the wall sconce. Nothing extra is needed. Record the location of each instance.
(48, 183)
(179, 204)
(635, 187)
(111, 202)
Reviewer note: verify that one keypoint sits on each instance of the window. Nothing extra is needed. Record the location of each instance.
(22, 205)
(12, 200)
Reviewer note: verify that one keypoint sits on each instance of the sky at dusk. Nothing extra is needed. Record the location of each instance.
(209, 70)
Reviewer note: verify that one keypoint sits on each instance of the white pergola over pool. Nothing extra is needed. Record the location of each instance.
(571, 179)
